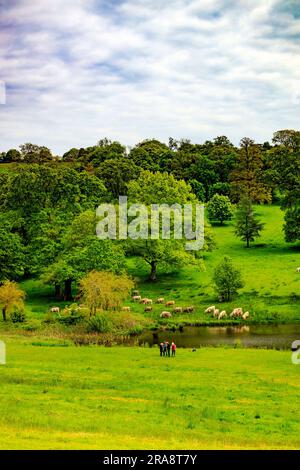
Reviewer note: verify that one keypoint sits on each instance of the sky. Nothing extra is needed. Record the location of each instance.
(75, 71)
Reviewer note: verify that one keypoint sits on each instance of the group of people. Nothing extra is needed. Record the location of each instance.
(165, 348)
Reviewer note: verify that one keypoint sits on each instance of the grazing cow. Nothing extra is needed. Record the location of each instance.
(160, 300)
(170, 303)
(298, 270)
(177, 310)
(165, 315)
(245, 316)
(210, 309)
(216, 313)
(135, 292)
(55, 309)
(148, 309)
(222, 314)
(126, 309)
(136, 298)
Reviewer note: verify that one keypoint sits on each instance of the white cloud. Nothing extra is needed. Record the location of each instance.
(79, 70)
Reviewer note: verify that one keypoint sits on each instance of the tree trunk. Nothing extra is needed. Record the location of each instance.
(248, 243)
(68, 290)
(57, 291)
(152, 276)
(4, 313)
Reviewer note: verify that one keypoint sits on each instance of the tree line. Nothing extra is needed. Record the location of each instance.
(47, 206)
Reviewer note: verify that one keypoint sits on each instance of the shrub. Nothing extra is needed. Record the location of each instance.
(18, 316)
(98, 324)
(72, 315)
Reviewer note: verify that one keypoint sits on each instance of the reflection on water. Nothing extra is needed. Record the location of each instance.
(251, 336)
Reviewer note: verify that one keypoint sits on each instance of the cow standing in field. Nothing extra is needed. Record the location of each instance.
(55, 309)
(136, 298)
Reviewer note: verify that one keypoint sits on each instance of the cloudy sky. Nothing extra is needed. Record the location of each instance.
(79, 70)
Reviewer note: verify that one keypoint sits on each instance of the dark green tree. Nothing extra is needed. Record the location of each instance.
(247, 225)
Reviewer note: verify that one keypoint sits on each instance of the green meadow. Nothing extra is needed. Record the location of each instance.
(54, 395)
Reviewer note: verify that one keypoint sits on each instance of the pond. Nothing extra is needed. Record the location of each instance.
(249, 336)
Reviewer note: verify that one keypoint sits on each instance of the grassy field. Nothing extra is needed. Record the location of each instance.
(55, 397)
(272, 286)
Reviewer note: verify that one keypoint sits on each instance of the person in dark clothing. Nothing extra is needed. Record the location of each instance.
(161, 348)
(165, 348)
(168, 348)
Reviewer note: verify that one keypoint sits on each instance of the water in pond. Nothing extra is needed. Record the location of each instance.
(250, 336)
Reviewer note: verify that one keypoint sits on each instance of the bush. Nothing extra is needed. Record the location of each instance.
(98, 324)
(18, 316)
(227, 280)
(33, 325)
(72, 315)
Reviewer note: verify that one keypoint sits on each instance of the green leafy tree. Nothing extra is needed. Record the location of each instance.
(219, 208)
(82, 252)
(116, 174)
(247, 226)
(169, 254)
(151, 155)
(11, 254)
(247, 178)
(227, 280)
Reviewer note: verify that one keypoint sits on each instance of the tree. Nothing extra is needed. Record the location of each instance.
(247, 177)
(32, 153)
(13, 155)
(227, 280)
(104, 290)
(287, 137)
(220, 208)
(285, 176)
(151, 155)
(170, 254)
(11, 297)
(11, 254)
(247, 227)
(116, 174)
(80, 253)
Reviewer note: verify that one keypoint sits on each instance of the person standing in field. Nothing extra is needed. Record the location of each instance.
(165, 348)
(173, 349)
(168, 348)
(161, 348)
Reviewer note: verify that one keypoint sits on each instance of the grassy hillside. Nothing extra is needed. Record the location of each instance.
(272, 286)
(130, 398)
